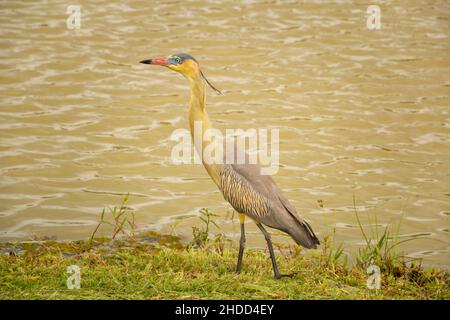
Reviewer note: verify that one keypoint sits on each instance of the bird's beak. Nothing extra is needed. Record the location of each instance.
(157, 61)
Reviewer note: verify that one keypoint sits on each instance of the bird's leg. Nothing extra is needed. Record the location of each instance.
(278, 275)
(241, 243)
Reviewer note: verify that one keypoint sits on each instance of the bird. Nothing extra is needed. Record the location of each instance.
(249, 192)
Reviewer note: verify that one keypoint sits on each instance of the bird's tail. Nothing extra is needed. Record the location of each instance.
(303, 234)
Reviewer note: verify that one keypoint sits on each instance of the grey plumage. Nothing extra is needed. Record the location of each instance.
(261, 199)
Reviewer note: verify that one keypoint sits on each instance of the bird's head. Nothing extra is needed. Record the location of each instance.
(183, 63)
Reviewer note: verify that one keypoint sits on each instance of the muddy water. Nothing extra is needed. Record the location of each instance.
(360, 112)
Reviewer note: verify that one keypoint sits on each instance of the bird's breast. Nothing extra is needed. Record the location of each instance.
(239, 192)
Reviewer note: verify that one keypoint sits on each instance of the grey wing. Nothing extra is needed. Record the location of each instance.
(259, 197)
(241, 194)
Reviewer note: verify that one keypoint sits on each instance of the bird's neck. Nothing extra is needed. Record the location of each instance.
(199, 123)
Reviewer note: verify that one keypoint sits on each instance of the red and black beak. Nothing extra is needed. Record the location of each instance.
(157, 61)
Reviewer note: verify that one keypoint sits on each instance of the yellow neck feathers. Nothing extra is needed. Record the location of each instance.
(197, 114)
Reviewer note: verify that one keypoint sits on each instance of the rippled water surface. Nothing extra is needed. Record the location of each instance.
(363, 112)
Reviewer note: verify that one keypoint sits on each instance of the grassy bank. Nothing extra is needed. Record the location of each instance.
(159, 267)
(149, 265)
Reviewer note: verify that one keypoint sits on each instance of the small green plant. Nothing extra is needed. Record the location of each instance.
(201, 235)
(382, 250)
(122, 217)
(332, 255)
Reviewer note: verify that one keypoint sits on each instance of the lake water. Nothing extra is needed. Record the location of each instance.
(360, 112)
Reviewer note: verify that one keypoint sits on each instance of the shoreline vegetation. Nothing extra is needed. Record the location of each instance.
(149, 265)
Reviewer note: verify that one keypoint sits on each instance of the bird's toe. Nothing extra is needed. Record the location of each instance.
(288, 275)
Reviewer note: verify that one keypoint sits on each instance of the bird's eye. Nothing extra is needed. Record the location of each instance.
(174, 60)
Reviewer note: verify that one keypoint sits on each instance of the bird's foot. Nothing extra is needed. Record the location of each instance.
(288, 275)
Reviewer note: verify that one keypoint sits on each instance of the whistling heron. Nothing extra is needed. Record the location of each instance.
(242, 185)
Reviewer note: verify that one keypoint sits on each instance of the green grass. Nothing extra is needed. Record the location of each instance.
(149, 265)
(159, 267)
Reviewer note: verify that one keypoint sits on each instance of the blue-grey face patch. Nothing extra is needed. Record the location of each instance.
(180, 58)
(185, 56)
(175, 60)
